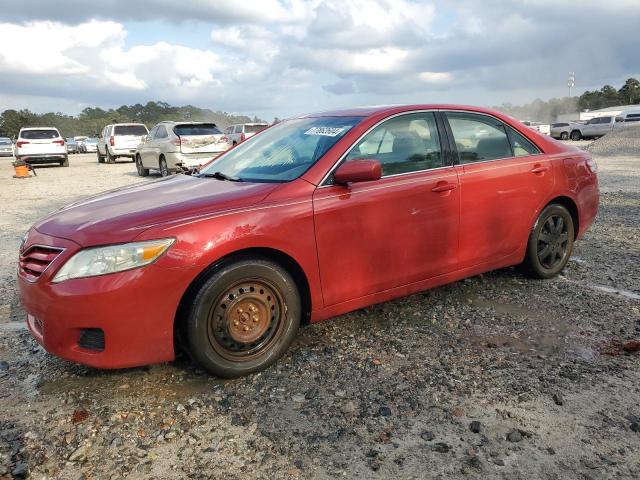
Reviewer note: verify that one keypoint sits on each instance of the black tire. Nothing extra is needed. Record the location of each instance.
(576, 135)
(100, 157)
(143, 172)
(162, 165)
(550, 242)
(252, 297)
(564, 136)
(110, 158)
(65, 162)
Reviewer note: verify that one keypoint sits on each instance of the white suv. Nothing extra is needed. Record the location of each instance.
(41, 145)
(120, 140)
(240, 132)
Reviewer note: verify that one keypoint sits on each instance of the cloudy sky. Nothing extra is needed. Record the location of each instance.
(285, 57)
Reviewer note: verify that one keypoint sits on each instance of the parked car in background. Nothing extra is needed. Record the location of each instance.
(314, 217)
(593, 128)
(543, 128)
(6, 147)
(89, 145)
(120, 140)
(80, 142)
(629, 116)
(179, 146)
(72, 146)
(240, 132)
(41, 145)
(561, 130)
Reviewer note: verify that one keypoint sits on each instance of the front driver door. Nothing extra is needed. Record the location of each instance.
(403, 228)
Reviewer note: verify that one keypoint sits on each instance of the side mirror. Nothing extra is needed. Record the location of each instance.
(358, 170)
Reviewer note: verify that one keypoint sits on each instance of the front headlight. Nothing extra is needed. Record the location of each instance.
(112, 258)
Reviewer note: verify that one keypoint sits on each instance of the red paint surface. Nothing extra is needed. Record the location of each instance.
(358, 244)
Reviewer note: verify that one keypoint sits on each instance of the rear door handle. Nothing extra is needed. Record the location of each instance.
(444, 187)
(539, 169)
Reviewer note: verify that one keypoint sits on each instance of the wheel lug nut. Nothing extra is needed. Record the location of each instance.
(236, 323)
(246, 329)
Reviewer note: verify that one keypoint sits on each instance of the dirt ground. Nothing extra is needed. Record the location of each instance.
(497, 376)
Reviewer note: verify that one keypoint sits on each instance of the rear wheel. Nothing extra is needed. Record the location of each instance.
(576, 135)
(564, 136)
(550, 242)
(243, 318)
(164, 170)
(65, 162)
(143, 172)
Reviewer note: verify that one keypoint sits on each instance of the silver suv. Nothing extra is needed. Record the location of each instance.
(179, 146)
(240, 132)
(120, 140)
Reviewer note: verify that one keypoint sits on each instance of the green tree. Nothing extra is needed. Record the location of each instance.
(630, 91)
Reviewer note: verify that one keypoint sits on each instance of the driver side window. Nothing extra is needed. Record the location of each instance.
(403, 144)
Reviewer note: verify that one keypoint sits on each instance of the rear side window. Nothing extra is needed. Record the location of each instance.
(162, 132)
(521, 146)
(201, 129)
(39, 134)
(558, 125)
(135, 130)
(478, 137)
(238, 129)
(408, 143)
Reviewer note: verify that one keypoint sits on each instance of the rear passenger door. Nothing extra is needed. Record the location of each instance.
(504, 179)
(146, 150)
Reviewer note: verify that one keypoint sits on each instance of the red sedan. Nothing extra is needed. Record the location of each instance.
(309, 219)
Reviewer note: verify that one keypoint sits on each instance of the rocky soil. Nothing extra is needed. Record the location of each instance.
(623, 140)
(497, 376)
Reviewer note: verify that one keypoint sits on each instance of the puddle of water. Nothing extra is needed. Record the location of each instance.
(508, 308)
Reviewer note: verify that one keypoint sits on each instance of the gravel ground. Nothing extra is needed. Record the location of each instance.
(497, 376)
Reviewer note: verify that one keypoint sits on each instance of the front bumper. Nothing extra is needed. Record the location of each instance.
(135, 310)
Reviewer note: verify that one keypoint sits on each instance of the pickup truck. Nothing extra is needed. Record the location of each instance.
(594, 128)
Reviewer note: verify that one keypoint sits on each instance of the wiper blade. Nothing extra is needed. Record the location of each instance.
(220, 176)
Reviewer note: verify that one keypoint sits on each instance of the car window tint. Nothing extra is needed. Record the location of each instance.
(238, 129)
(478, 137)
(521, 146)
(43, 134)
(135, 130)
(162, 132)
(254, 128)
(408, 143)
(197, 129)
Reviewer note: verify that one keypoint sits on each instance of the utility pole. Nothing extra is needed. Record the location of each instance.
(571, 82)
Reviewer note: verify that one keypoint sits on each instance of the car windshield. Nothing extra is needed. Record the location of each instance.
(196, 129)
(136, 130)
(39, 134)
(283, 152)
(5, 141)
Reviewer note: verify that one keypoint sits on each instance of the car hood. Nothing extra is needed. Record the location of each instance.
(122, 214)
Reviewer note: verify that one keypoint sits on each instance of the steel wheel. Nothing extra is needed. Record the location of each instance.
(245, 319)
(552, 242)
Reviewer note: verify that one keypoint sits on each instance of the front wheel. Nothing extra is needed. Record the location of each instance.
(100, 157)
(110, 158)
(576, 135)
(550, 242)
(243, 318)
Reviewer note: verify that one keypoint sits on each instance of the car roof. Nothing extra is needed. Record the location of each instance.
(38, 128)
(368, 111)
(173, 122)
(125, 124)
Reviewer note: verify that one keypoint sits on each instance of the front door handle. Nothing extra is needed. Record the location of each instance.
(539, 169)
(444, 187)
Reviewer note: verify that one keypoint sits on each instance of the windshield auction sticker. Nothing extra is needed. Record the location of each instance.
(325, 131)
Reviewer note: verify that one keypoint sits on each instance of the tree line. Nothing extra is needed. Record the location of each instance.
(548, 111)
(92, 120)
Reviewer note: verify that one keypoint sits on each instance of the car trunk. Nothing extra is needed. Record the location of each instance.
(198, 139)
(35, 142)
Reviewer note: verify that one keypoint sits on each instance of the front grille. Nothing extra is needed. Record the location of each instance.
(92, 339)
(36, 259)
